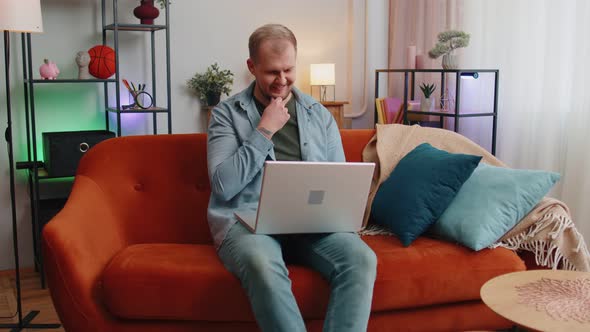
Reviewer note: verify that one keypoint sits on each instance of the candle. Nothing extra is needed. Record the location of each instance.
(420, 61)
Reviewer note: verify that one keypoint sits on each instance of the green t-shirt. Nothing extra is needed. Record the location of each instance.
(286, 140)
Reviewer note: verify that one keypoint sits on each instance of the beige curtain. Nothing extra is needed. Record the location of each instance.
(417, 23)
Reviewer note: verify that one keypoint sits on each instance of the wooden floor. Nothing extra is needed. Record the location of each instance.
(33, 298)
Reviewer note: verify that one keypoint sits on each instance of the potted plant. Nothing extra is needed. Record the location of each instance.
(210, 85)
(427, 100)
(448, 41)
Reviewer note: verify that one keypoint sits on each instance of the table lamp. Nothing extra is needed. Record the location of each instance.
(18, 16)
(323, 75)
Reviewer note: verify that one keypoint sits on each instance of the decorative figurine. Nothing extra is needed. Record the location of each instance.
(48, 70)
(83, 59)
(447, 102)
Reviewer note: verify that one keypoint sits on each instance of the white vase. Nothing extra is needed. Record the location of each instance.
(427, 104)
(449, 61)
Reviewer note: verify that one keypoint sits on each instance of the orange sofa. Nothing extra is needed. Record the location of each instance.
(131, 251)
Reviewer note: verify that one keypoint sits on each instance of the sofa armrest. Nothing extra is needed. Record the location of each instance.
(77, 245)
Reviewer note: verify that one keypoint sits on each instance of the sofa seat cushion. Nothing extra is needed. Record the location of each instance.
(189, 282)
(432, 271)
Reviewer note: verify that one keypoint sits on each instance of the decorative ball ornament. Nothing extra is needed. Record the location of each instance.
(102, 61)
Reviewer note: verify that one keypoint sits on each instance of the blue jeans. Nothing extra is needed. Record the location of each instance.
(342, 258)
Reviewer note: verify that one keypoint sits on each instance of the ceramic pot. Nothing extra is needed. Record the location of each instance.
(449, 61)
(427, 104)
(146, 12)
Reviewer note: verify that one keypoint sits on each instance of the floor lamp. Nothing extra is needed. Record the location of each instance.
(18, 16)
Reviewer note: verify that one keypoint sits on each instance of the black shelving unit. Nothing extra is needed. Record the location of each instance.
(44, 208)
(116, 28)
(409, 87)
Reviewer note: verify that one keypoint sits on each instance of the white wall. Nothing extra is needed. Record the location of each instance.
(202, 32)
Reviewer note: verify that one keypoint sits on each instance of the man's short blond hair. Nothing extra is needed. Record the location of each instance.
(269, 32)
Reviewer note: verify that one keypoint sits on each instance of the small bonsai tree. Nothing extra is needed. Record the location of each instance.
(448, 41)
(210, 85)
(427, 89)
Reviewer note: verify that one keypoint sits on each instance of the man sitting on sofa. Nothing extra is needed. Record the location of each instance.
(272, 119)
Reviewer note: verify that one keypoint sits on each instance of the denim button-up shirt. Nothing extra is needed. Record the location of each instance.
(236, 153)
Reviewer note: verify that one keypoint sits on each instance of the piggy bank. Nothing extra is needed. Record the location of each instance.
(48, 70)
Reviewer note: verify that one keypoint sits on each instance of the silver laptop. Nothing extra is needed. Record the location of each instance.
(310, 197)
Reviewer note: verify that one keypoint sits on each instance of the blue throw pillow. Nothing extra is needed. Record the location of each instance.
(419, 189)
(490, 203)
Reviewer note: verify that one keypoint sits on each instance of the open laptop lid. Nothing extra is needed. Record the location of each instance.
(311, 197)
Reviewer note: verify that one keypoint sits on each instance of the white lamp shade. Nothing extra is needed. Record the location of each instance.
(322, 74)
(21, 16)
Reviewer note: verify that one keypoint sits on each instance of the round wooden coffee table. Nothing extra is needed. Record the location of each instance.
(542, 300)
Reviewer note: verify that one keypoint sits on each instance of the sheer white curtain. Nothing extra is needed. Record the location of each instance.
(542, 48)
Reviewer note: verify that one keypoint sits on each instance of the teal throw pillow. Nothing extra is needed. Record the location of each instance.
(419, 189)
(490, 203)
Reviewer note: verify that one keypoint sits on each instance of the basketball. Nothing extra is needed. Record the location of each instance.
(102, 61)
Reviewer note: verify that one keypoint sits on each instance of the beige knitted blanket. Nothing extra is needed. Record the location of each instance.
(548, 230)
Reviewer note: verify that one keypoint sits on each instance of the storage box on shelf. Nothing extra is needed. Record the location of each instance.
(62, 150)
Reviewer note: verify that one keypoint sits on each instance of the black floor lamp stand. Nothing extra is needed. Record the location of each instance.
(23, 322)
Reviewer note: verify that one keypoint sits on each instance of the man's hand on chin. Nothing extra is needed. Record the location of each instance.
(274, 117)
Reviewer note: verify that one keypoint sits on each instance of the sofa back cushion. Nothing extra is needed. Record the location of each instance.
(354, 142)
(158, 184)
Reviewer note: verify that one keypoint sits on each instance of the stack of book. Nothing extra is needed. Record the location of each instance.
(391, 110)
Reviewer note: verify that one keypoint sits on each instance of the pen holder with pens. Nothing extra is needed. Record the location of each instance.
(141, 99)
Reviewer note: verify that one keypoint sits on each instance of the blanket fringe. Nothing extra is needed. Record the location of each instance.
(373, 229)
(547, 254)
